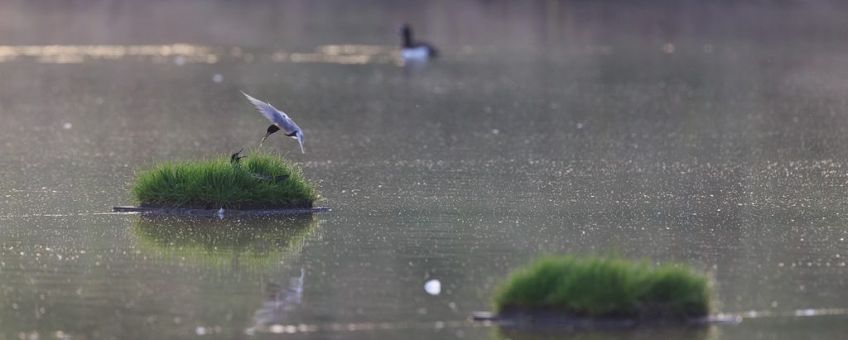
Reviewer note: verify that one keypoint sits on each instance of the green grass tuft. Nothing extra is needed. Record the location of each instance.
(604, 287)
(216, 183)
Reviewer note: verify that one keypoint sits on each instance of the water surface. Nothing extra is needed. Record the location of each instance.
(711, 135)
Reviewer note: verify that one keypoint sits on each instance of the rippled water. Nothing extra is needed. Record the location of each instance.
(712, 135)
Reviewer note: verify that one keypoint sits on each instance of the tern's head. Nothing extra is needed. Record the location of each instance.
(271, 129)
(406, 35)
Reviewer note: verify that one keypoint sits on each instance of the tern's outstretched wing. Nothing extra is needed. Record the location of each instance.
(275, 116)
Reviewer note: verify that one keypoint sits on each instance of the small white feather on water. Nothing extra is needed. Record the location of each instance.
(433, 287)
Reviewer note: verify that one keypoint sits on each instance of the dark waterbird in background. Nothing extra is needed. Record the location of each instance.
(279, 119)
(415, 50)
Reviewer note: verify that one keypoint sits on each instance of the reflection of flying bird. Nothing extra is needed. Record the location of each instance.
(415, 50)
(279, 119)
(280, 302)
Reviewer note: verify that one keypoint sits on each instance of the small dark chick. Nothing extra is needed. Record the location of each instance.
(236, 157)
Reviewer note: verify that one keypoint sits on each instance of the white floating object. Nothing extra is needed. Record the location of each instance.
(217, 78)
(433, 287)
(806, 312)
(67, 126)
(221, 213)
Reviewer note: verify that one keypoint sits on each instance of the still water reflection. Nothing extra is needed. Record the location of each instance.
(708, 134)
(252, 242)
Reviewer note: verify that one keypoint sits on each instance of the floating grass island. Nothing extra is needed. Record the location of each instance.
(258, 181)
(572, 290)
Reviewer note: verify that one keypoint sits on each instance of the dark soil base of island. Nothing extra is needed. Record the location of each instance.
(556, 320)
(149, 210)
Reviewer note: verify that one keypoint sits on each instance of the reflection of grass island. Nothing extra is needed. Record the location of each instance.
(259, 181)
(604, 289)
(258, 242)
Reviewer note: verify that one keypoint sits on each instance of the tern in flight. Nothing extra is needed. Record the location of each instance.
(279, 121)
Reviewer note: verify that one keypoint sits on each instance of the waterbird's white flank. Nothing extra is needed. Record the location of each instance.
(279, 121)
(412, 50)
